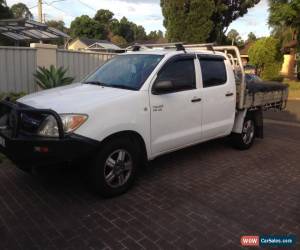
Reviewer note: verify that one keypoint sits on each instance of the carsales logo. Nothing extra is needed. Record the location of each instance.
(250, 241)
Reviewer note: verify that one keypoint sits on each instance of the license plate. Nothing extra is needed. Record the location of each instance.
(2, 142)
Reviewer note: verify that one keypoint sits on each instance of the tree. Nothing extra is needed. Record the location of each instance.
(5, 12)
(124, 28)
(234, 36)
(225, 13)
(155, 35)
(139, 32)
(104, 16)
(265, 55)
(284, 18)
(188, 20)
(208, 16)
(84, 26)
(251, 37)
(119, 40)
(60, 25)
(20, 10)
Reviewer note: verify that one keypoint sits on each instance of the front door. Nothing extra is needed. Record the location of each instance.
(176, 113)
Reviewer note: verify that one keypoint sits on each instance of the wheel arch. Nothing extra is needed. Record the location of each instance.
(256, 115)
(135, 137)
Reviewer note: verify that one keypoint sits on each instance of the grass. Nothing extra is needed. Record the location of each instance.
(294, 87)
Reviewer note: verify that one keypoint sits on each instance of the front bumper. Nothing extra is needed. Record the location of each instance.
(29, 149)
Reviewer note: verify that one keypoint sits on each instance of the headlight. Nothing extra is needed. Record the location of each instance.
(70, 122)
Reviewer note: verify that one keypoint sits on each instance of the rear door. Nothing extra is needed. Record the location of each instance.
(219, 96)
(176, 115)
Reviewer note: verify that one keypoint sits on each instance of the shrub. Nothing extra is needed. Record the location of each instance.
(271, 72)
(12, 95)
(265, 55)
(51, 78)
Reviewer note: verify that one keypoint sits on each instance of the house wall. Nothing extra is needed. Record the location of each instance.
(288, 67)
(18, 64)
(77, 45)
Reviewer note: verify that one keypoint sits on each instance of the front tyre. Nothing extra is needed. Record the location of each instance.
(113, 170)
(246, 139)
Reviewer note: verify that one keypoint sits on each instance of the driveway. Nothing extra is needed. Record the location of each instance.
(204, 197)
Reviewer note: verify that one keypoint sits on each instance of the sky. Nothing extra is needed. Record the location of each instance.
(142, 12)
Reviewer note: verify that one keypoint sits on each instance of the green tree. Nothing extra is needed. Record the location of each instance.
(284, 18)
(104, 16)
(139, 32)
(188, 20)
(57, 24)
(235, 38)
(251, 37)
(124, 28)
(266, 56)
(84, 26)
(5, 12)
(119, 40)
(155, 35)
(226, 11)
(60, 25)
(20, 10)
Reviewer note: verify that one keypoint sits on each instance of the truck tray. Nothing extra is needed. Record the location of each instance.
(269, 95)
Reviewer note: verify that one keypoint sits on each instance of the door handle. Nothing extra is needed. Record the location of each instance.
(228, 94)
(196, 100)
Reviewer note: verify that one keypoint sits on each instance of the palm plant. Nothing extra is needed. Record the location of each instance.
(51, 78)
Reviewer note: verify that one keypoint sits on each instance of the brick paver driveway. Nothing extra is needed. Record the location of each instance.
(204, 197)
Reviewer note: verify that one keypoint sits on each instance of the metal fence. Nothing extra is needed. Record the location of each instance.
(17, 65)
(80, 64)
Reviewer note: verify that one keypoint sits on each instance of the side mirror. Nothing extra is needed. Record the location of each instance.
(163, 87)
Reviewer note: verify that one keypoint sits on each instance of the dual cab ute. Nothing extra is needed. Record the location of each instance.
(137, 106)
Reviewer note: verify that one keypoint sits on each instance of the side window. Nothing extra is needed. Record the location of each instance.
(181, 73)
(213, 71)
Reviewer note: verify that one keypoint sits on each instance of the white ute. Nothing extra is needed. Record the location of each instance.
(139, 105)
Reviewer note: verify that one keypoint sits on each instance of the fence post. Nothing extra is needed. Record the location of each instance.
(45, 54)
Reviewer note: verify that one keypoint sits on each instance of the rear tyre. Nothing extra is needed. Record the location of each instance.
(246, 139)
(113, 170)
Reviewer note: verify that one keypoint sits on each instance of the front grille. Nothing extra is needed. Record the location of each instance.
(29, 123)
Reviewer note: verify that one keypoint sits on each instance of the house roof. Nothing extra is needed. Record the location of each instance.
(93, 44)
(107, 46)
(28, 30)
(88, 42)
(245, 49)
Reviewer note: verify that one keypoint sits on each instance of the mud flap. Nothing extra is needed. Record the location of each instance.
(259, 123)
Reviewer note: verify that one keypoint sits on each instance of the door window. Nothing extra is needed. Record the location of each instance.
(213, 71)
(181, 73)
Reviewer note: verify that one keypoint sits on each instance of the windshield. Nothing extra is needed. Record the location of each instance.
(125, 71)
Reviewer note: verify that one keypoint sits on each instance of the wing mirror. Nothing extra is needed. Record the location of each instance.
(163, 87)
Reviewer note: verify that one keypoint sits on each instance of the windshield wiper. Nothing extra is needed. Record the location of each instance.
(122, 86)
(96, 83)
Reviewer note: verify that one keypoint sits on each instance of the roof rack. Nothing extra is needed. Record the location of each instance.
(180, 46)
(137, 47)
